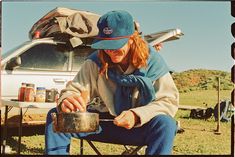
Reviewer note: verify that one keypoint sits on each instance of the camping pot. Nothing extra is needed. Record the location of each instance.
(75, 122)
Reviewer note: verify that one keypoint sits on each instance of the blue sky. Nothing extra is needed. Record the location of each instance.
(206, 25)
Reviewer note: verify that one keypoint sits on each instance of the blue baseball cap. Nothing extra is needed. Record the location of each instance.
(115, 28)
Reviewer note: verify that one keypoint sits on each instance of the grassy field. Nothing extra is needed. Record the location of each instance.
(204, 97)
(198, 136)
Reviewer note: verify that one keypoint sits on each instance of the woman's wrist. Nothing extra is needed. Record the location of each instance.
(136, 117)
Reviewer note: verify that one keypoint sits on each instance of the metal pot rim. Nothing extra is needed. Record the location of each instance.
(77, 113)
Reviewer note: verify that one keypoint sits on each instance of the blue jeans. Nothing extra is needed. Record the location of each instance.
(158, 134)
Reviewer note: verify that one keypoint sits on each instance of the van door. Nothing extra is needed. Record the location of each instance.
(43, 65)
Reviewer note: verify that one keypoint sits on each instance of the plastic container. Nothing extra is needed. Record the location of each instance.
(21, 92)
(29, 93)
(40, 94)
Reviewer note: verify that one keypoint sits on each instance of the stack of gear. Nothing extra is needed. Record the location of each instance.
(201, 113)
(227, 110)
(69, 25)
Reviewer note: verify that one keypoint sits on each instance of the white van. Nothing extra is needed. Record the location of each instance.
(49, 63)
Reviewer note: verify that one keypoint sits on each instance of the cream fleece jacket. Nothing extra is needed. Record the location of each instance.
(166, 102)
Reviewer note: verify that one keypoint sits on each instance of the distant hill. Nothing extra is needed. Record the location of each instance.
(201, 79)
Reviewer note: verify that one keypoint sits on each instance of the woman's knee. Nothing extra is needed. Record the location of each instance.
(164, 122)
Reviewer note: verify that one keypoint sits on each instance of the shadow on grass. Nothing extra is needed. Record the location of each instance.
(13, 143)
(195, 129)
(202, 119)
(197, 119)
(26, 131)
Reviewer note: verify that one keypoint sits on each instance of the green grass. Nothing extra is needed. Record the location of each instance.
(199, 136)
(201, 98)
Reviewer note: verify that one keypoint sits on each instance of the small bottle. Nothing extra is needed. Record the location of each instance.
(40, 94)
(51, 95)
(21, 92)
(29, 93)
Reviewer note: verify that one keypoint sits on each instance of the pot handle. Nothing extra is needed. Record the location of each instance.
(54, 122)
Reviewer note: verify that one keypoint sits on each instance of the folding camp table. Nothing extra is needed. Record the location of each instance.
(9, 104)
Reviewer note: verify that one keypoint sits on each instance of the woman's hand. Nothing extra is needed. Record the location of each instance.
(126, 119)
(73, 103)
(158, 47)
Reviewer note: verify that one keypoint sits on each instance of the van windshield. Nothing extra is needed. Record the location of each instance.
(11, 51)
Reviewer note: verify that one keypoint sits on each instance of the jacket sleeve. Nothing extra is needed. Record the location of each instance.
(87, 75)
(166, 101)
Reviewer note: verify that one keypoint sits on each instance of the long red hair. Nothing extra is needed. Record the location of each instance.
(139, 54)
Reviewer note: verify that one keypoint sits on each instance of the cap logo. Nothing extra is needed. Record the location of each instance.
(107, 30)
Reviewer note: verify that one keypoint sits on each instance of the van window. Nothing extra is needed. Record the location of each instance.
(79, 56)
(44, 57)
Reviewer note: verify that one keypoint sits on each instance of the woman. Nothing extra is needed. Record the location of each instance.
(135, 87)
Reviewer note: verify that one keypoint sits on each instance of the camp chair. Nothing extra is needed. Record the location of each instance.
(128, 150)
